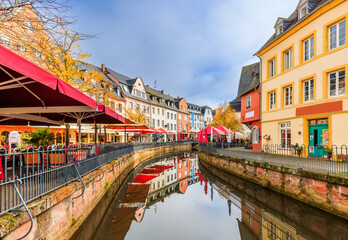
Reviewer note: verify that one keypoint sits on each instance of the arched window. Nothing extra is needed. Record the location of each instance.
(255, 135)
(59, 138)
(4, 138)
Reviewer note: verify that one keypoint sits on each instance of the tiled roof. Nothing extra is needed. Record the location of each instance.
(249, 78)
(236, 104)
(122, 78)
(292, 20)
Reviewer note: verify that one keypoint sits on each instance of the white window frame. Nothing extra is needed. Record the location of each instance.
(272, 67)
(286, 126)
(288, 96)
(310, 91)
(338, 33)
(272, 100)
(248, 102)
(288, 59)
(300, 13)
(337, 89)
(308, 49)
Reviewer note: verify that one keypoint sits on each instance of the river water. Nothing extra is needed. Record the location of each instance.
(176, 197)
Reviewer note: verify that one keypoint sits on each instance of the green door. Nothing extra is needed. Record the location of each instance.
(318, 137)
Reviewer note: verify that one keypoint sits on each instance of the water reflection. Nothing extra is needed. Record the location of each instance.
(177, 198)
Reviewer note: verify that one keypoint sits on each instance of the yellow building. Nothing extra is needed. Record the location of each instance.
(304, 94)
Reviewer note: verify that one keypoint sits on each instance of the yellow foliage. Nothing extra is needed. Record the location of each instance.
(136, 116)
(227, 117)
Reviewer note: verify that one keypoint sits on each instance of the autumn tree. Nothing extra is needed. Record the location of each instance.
(41, 31)
(226, 116)
(138, 116)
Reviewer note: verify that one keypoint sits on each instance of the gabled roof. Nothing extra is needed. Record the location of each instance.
(249, 78)
(122, 78)
(292, 20)
(236, 104)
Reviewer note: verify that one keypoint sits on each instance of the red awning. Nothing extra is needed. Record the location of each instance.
(210, 129)
(29, 92)
(224, 129)
(143, 178)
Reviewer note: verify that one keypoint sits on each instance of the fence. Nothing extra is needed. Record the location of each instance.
(329, 160)
(29, 174)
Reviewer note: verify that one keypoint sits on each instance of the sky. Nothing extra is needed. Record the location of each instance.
(191, 48)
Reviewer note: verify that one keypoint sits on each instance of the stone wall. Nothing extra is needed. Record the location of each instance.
(327, 192)
(58, 216)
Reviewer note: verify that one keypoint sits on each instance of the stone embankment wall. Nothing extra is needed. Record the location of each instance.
(326, 192)
(58, 216)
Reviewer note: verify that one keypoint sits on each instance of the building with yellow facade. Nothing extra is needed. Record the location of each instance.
(304, 95)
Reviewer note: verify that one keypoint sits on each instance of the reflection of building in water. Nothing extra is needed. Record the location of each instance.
(275, 228)
(131, 206)
(171, 174)
(250, 226)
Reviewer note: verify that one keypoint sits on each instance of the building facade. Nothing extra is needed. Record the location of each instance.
(250, 103)
(303, 65)
(196, 118)
(183, 121)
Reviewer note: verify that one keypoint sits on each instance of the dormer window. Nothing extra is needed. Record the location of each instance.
(303, 12)
(279, 29)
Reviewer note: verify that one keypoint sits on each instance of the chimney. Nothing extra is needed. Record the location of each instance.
(162, 91)
(103, 67)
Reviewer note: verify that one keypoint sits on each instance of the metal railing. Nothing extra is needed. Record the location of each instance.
(329, 160)
(36, 172)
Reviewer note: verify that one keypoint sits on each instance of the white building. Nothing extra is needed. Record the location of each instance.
(196, 117)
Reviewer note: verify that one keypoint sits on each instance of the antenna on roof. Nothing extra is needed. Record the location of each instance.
(155, 84)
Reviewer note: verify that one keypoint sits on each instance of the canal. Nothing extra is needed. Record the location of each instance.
(176, 197)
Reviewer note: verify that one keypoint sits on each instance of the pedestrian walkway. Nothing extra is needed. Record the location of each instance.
(318, 165)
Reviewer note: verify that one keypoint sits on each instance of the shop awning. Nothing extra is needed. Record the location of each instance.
(26, 89)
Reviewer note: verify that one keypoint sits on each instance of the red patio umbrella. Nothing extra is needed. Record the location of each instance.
(210, 129)
(224, 129)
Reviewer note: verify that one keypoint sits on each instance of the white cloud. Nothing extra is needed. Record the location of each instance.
(193, 48)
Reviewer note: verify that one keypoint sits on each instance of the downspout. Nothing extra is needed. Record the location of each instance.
(260, 84)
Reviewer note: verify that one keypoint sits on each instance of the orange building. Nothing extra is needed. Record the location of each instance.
(183, 119)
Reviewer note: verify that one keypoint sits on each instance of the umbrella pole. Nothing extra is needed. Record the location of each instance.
(95, 133)
(67, 134)
(100, 134)
(79, 129)
(125, 129)
(105, 134)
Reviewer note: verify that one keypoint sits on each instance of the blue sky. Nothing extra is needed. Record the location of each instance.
(192, 48)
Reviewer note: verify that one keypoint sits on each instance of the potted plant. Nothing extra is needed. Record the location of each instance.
(41, 137)
(329, 152)
(299, 150)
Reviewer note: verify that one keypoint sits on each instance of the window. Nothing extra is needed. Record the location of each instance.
(162, 112)
(308, 48)
(308, 90)
(162, 123)
(288, 59)
(171, 116)
(185, 172)
(158, 123)
(272, 67)
(180, 107)
(248, 102)
(248, 218)
(185, 118)
(180, 175)
(137, 106)
(180, 117)
(337, 35)
(279, 29)
(175, 116)
(158, 111)
(337, 83)
(255, 135)
(153, 122)
(272, 100)
(168, 115)
(303, 12)
(288, 236)
(186, 127)
(153, 110)
(120, 107)
(272, 231)
(285, 135)
(174, 127)
(288, 96)
(180, 126)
